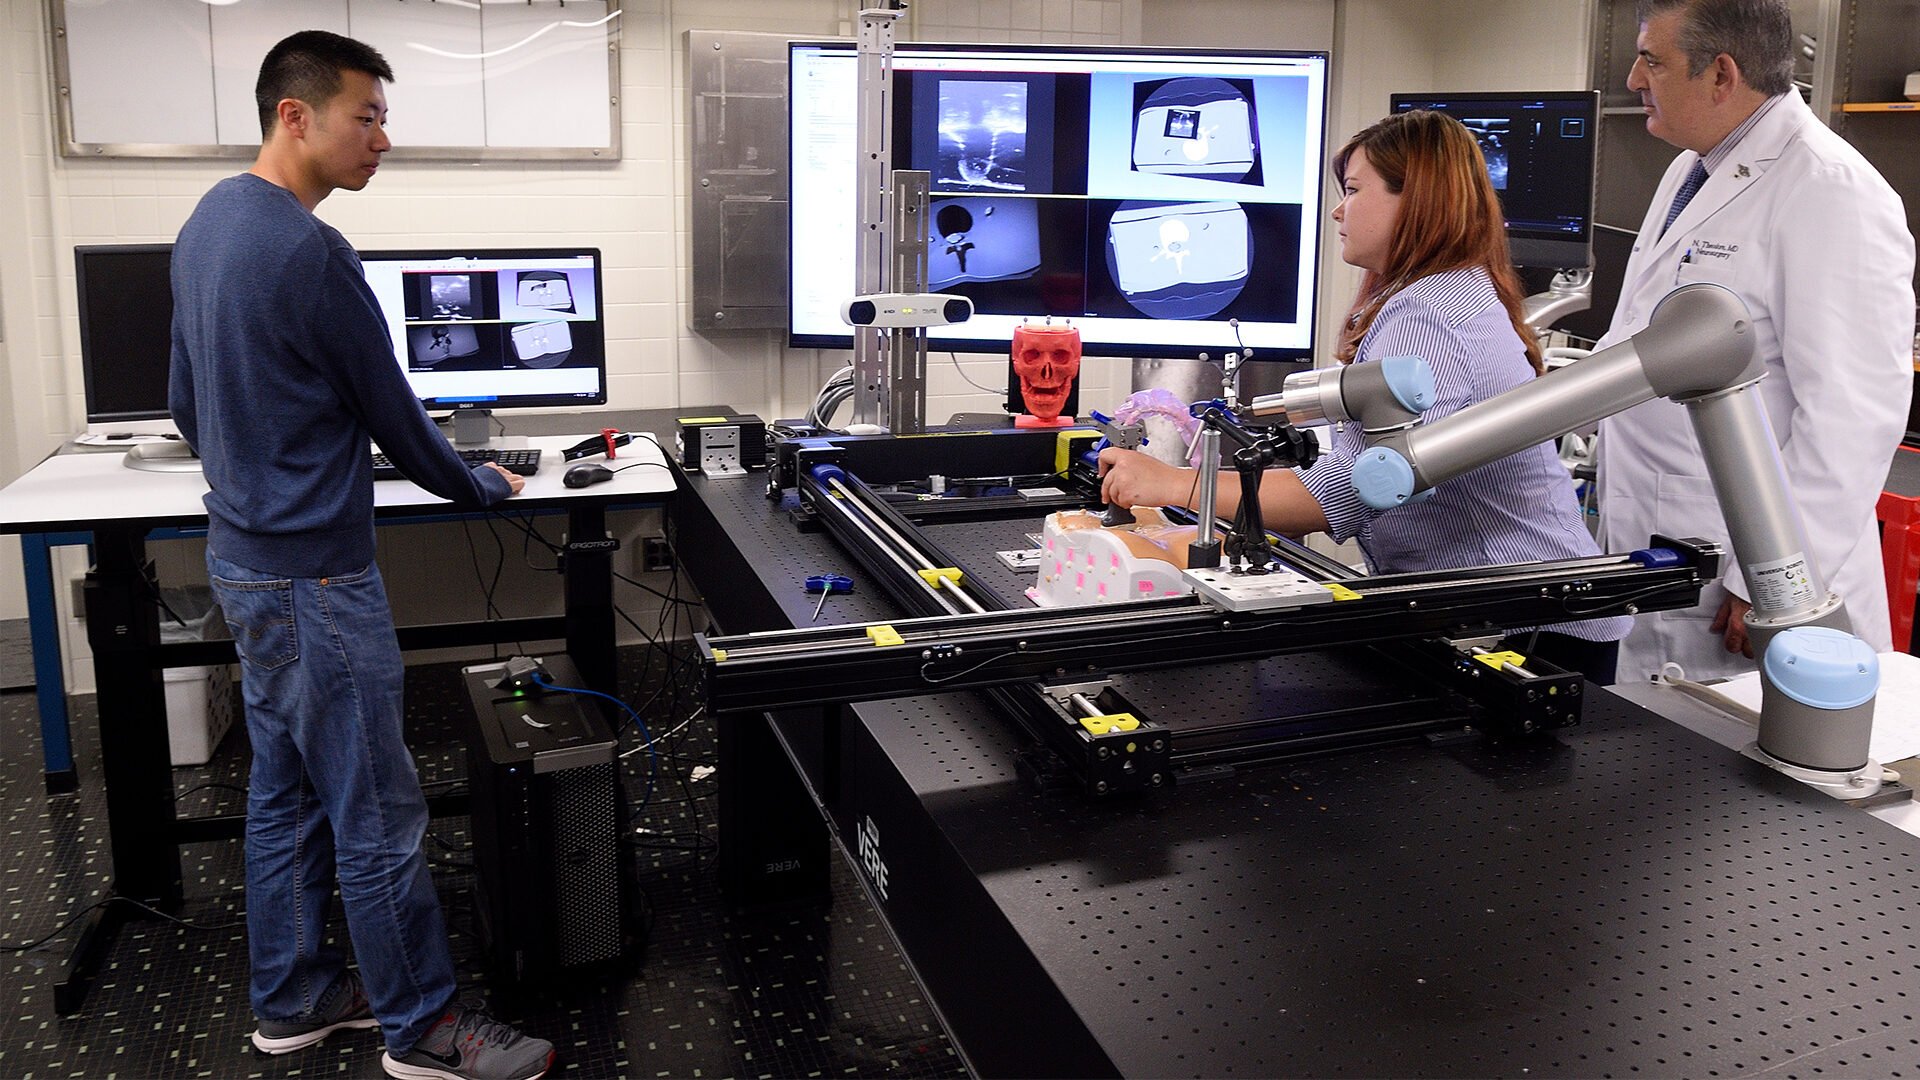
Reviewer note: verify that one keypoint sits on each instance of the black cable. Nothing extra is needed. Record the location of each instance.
(436, 838)
(529, 535)
(492, 611)
(649, 464)
(643, 586)
(78, 915)
(995, 658)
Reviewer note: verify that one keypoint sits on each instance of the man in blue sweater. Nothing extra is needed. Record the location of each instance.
(282, 371)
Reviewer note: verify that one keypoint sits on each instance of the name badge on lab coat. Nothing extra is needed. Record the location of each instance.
(1704, 259)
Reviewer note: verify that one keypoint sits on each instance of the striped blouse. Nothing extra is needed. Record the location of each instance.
(1520, 508)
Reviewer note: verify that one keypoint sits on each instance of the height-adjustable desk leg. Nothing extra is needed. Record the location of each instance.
(123, 627)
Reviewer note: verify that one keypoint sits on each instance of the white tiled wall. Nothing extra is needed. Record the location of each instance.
(636, 209)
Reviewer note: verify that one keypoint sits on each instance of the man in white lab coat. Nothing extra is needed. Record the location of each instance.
(1814, 241)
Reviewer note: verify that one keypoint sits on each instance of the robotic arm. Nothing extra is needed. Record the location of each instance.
(1818, 681)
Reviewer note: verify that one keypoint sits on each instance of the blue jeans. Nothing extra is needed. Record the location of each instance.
(333, 793)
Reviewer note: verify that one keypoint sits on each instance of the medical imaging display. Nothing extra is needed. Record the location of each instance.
(981, 240)
(983, 135)
(541, 345)
(1203, 128)
(494, 328)
(1147, 198)
(429, 345)
(451, 295)
(462, 297)
(1491, 133)
(543, 289)
(1179, 260)
(1539, 149)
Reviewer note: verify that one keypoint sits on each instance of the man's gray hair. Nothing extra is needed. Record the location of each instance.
(1758, 34)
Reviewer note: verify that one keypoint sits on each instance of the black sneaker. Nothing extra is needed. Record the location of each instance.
(467, 1044)
(344, 1005)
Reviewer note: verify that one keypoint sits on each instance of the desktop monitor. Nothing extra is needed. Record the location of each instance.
(126, 335)
(1149, 196)
(1539, 149)
(484, 329)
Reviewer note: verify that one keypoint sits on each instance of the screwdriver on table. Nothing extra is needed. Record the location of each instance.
(826, 585)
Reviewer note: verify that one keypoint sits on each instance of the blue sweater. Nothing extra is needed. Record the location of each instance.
(282, 371)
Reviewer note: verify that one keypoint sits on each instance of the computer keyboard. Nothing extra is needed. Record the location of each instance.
(525, 461)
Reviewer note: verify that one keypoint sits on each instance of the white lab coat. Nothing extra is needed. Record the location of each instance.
(1815, 243)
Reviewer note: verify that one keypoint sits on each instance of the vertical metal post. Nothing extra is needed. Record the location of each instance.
(873, 171)
(1205, 550)
(906, 396)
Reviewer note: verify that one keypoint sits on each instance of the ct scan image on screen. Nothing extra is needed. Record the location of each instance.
(1203, 128)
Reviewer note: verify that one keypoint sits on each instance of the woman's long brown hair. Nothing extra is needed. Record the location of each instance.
(1449, 217)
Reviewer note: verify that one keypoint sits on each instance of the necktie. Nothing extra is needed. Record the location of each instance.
(1695, 177)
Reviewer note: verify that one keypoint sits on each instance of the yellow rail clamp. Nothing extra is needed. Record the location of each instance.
(719, 656)
(1341, 592)
(884, 635)
(1064, 447)
(945, 573)
(1498, 660)
(1100, 725)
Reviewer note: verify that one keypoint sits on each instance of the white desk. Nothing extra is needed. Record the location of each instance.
(76, 489)
(92, 497)
(59, 502)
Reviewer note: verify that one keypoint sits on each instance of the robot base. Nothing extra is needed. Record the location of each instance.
(1850, 785)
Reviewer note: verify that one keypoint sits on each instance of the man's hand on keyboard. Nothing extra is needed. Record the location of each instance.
(517, 481)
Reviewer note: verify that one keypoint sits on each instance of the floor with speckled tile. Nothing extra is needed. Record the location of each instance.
(810, 991)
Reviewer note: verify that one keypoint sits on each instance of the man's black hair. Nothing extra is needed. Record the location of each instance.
(307, 66)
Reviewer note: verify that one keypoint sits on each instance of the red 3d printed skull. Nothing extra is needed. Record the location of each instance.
(1046, 359)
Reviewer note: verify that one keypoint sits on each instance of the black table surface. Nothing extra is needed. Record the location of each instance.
(1622, 898)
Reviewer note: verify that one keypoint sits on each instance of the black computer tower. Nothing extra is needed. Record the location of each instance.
(550, 899)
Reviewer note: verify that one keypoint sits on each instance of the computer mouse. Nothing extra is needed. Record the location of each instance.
(586, 473)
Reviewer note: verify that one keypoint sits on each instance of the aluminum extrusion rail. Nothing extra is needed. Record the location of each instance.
(904, 658)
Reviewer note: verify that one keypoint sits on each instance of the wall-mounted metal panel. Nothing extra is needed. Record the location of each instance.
(174, 78)
(737, 135)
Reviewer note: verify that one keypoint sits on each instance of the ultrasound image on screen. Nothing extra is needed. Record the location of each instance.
(983, 135)
(452, 295)
(1492, 134)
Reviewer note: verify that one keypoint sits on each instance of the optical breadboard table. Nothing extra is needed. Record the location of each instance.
(1622, 898)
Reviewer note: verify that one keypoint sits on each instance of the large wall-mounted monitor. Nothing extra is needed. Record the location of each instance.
(1151, 197)
(495, 328)
(126, 335)
(1539, 149)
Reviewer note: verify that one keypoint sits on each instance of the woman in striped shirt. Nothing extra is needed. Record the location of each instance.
(1420, 216)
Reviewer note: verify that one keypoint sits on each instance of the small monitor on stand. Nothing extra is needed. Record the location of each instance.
(484, 329)
(1539, 148)
(125, 300)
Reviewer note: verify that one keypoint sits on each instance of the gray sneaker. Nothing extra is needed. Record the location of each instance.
(344, 1005)
(467, 1044)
